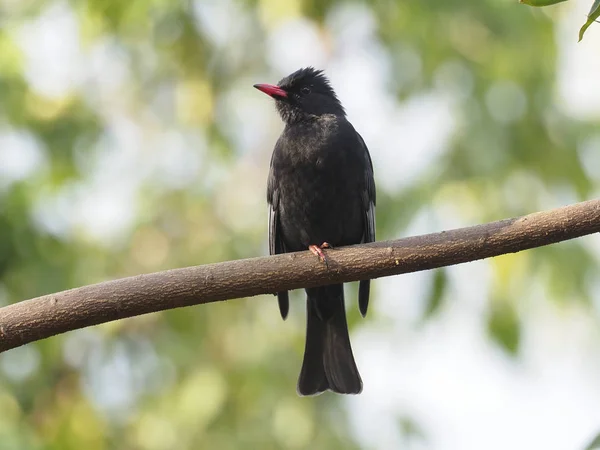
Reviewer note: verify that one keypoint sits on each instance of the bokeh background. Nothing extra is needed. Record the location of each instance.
(132, 141)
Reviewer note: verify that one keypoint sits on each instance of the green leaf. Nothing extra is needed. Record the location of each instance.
(592, 16)
(436, 293)
(504, 326)
(541, 2)
(595, 444)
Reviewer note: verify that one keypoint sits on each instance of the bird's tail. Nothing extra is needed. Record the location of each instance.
(328, 360)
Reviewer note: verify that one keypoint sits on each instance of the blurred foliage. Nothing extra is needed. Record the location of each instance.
(436, 294)
(157, 81)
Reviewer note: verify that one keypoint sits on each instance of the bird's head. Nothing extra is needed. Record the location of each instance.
(304, 94)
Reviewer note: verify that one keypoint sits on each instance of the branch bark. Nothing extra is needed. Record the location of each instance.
(46, 316)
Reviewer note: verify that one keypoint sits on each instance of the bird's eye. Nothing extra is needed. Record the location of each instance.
(305, 90)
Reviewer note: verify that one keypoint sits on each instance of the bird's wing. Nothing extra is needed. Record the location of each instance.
(276, 245)
(369, 200)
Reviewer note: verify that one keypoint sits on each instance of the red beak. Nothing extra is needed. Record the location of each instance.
(269, 89)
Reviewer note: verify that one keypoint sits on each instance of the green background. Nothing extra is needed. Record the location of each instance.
(131, 141)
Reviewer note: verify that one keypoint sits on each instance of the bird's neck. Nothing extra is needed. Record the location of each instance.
(292, 114)
(303, 118)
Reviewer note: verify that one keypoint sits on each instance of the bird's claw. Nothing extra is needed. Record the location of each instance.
(317, 250)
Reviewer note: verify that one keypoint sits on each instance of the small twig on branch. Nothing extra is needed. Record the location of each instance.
(46, 316)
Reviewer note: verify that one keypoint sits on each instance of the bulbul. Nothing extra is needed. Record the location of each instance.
(321, 193)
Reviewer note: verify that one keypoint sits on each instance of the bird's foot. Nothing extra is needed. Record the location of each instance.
(317, 250)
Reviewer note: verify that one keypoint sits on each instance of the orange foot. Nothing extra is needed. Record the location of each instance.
(318, 251)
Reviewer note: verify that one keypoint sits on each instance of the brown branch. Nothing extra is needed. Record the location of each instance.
(46, 316)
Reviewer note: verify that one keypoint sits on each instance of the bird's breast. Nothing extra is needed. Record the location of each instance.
(320, 186)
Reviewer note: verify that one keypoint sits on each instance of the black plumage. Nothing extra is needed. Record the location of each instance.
(320, 190)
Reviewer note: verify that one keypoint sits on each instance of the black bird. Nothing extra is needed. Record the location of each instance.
(321, 193)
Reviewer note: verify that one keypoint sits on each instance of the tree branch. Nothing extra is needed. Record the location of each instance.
(46, 316)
